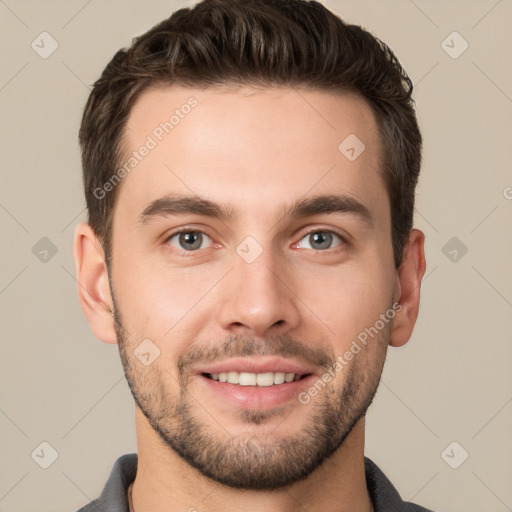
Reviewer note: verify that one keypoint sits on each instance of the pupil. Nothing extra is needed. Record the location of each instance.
(191, 240)
(322, 239)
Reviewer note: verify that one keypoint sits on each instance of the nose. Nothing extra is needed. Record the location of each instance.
(258, 298)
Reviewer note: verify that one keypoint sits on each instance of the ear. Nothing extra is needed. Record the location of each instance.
(407, 294)
(93, 285)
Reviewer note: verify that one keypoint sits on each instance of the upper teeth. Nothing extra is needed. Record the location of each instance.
(254, 379)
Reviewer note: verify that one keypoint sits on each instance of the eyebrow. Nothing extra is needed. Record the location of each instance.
(184, 204)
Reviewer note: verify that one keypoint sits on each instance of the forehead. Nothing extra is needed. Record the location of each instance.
(255, 149)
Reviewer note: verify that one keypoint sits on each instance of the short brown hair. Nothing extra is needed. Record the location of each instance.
(254, 42)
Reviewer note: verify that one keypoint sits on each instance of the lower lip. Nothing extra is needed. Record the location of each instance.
(257, 397)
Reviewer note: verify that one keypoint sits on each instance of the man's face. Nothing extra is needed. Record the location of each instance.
(264, 291)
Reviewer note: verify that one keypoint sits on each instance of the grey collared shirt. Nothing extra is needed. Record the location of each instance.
(384, 496)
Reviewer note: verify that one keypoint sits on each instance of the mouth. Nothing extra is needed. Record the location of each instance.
(265, 379)
(255, 383)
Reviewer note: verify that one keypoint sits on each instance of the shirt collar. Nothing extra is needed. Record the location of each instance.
(383, 494)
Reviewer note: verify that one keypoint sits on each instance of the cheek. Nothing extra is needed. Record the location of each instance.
(347, 299)
(158, 302)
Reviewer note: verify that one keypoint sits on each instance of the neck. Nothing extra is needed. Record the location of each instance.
(164, 481)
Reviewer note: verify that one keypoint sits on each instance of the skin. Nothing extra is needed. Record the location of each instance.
(256, 151)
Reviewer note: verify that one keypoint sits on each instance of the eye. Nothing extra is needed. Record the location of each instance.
(189, 240)
(320, 240)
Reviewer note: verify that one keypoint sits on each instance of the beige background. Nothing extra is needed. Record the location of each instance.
(452, 382)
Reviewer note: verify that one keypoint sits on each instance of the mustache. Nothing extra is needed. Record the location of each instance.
(244, 346)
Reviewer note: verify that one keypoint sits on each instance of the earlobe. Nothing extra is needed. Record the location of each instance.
(409, 276)
(93, 286)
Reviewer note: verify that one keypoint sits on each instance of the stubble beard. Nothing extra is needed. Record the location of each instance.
(251, 461)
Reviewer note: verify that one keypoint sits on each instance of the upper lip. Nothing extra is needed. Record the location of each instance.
(256, 365)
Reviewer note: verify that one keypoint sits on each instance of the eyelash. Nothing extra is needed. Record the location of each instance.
(343, 240)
